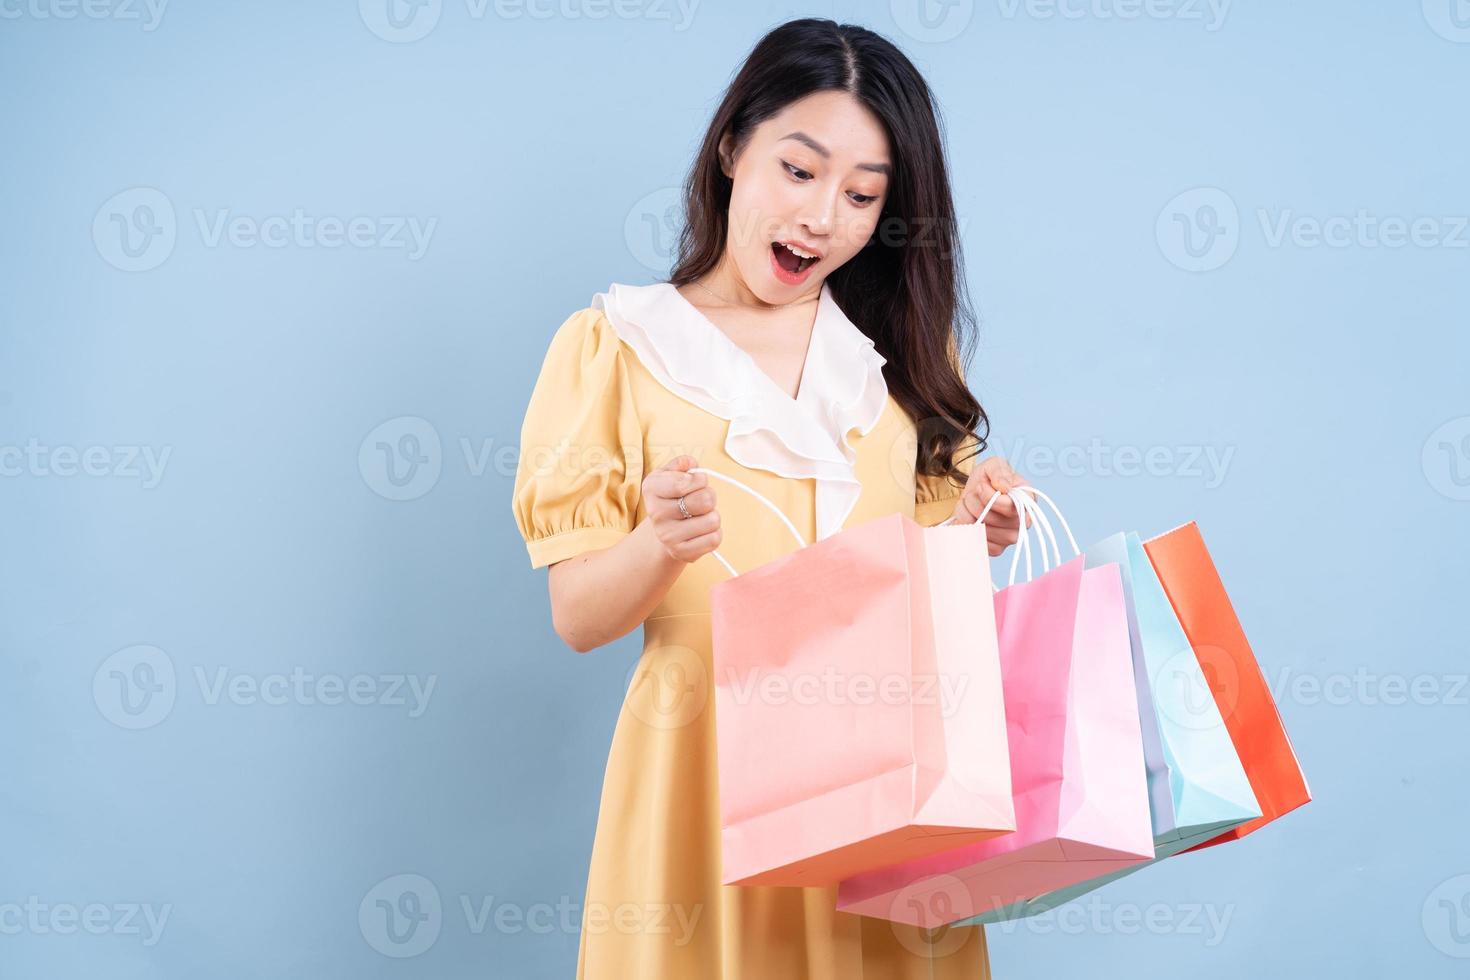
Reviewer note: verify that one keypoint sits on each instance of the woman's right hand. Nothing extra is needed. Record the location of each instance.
(684, 538)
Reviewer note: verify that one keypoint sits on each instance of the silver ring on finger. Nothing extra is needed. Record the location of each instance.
(684, 511)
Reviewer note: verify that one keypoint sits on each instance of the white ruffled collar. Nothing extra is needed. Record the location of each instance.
(842, 388)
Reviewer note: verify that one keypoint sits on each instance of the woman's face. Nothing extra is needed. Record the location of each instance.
(814, 176)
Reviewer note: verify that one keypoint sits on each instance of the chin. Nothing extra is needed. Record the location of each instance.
(760, 281)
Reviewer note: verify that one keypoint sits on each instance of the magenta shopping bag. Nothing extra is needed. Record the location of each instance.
(1078, 776)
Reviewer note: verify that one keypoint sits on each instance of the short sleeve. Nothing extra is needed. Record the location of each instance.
(935, 496)
(580, 469)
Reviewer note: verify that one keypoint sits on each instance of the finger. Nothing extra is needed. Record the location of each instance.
(977, 494)
(677, 483)
(1012, 522)
(697, 502)
(681, 529)
(677, 470)
(1002, 511)
(1003, 470)
(1002, 536)
(699, 546)
(1028, 513)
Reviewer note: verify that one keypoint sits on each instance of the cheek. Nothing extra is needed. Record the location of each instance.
(756, 191)
(755, 209)
(857, 229)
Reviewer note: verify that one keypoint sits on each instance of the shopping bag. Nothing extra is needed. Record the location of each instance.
(898, 746)
(1240, 692)
(1077, 769)
(1197, 786)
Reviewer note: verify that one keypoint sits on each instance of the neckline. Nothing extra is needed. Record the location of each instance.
(802, 385)
(843, 389)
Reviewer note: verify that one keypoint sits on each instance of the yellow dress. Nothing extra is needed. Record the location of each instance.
(597, 422)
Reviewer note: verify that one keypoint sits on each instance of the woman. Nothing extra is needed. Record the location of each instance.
(807, 344)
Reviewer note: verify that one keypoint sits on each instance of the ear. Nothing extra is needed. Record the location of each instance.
(727, 159)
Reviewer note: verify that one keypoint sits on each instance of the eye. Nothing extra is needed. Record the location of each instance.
(861, 200)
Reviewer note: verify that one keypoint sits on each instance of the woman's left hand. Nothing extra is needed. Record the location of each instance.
(990, 476)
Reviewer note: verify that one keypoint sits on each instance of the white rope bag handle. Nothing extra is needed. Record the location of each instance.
(1023, 541)
(1021, 496)
(1043, 524)
(1024, 498)
(800, 541)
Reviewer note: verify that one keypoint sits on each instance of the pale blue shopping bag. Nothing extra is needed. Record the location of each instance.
(1197, 786)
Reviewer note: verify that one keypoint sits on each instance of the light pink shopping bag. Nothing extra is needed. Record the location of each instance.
(858, 707)
(1077, 767)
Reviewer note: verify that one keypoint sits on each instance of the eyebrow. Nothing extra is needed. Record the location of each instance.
(824, 153)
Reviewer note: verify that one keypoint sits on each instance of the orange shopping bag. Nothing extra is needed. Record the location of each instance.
(1198, 596)
(858, 708)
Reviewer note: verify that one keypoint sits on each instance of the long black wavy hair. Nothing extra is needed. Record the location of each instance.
(905, 289)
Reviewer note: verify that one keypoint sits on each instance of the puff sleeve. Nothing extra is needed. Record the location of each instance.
(580, 469)
(935, 496)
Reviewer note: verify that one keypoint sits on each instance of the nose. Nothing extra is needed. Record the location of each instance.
(820, 213)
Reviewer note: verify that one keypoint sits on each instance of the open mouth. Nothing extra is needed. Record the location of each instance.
(791, 260)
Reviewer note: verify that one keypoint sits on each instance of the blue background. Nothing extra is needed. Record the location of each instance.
(340, 429)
